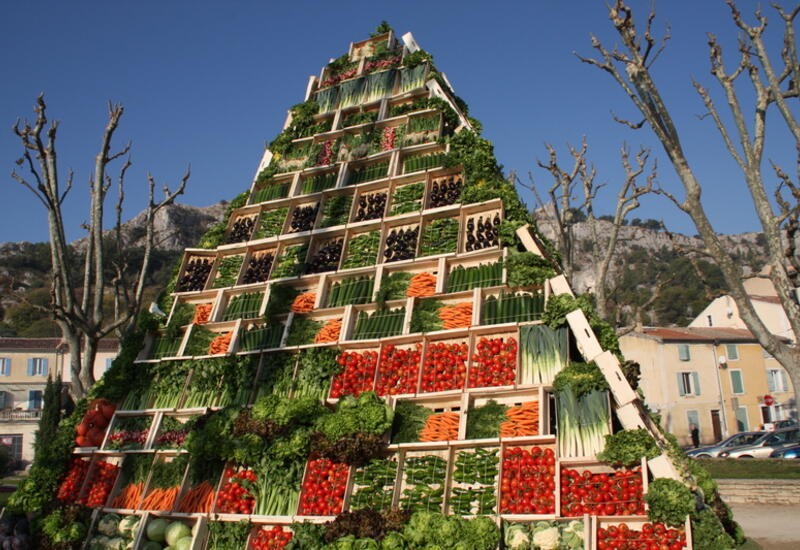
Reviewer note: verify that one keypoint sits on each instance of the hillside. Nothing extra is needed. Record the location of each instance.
(645, 256)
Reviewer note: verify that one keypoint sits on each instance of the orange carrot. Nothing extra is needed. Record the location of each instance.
(522, 420)
(421, 284)
(202, 313)
(220, 344)
(456, 316)
(329, 332)
(129, 497)
(304, 303)
(197, 499)
(440, 427)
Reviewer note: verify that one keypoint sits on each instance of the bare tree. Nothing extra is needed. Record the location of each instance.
(771, 80)
(78, 307)
(563, 204)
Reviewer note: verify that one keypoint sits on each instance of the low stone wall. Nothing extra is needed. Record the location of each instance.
(760, 491)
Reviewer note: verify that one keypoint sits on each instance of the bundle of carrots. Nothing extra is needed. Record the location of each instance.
(440, 427)
(522, 420)
(161, 499)
(202, 313)
(304, 303)
(129, 496)
(220, 344)
(329, 332)
(421, 284)
(197, 499)
(457, 316)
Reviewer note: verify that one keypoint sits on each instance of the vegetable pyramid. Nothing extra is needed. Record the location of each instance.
(375, 350)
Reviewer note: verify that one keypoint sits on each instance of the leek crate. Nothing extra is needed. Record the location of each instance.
(374, 485)
(474, 477)
(444, 363)
(414, 433)
(638, 526)
(494, 357)
(534, 467)
(424, 479)
(399, 368)
(591, 472)
(530, 399)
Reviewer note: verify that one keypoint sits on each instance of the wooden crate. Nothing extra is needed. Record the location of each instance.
(120, 421)
(246, 214)
(391, 382)
(222, 263)
(169, 424)
(292, 253)
(585, 338)
(197, 525)
(209, 298)
(508, 449)
(98, 515)
(483, 341)
(268, 524)
(435, 345)
(329, 315)
(511, 306)
(594, 467)
(366, 235)
(447, 214)
(280, 186)
(329, 280)
(412, 463)
(475, 260)
(585, 527)
(464, 478)
(195, 257)
(228, 297)
(366, 192)
(348, 377)
(634, 524)
(178, 461)
(436, 404)
(510, 398)
(124, 480)
(377, 490)
(394, 208)
(477, 214)
(302, 205)
(398, 310)
(391, 231)
(219, 329)
(318, 242)
(251, 275)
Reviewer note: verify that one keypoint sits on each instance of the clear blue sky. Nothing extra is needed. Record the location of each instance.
(209, 83)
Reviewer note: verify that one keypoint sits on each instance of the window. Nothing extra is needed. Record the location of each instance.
(13, 442)
(737, 384)
(683, 352)
(6, 400)
(688, 383)
(741, 419)
(710, 320)
(733, 352)
(5, 366)
(35, 400)
(37, 366)
(776, 380)
(109, 360)
(692, 417)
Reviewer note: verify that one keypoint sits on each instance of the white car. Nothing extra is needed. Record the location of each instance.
(763, 446)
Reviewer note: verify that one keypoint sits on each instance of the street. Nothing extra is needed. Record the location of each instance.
(773, 527)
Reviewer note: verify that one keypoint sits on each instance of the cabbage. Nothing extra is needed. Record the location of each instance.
(116, 543)
(108, 524)
(152, 545)
(176, 531)
(393, 541)
(184, 544)
(157, 529)
(546, 539)
(127, 525)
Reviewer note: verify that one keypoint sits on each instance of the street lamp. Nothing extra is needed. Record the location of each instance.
(720, 363)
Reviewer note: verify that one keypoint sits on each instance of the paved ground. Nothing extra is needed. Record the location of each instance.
(773, 527)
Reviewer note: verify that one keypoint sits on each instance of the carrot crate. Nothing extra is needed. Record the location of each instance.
(427, 420)
(166, 479)
(130, 483)
(510, 414)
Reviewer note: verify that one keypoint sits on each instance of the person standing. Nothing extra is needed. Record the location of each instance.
(694, 433)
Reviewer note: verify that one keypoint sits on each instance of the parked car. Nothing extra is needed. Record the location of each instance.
(787, 451)
(789, 423)
(764, 445)
(736, 440)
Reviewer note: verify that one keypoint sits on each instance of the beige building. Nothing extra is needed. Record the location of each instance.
(715, 377)
(25, 364)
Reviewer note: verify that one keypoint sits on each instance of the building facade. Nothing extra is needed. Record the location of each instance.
(25, 364)
(717, 378)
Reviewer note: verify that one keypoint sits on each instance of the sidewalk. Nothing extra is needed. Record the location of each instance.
(773, 527)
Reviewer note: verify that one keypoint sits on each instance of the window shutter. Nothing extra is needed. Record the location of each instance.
(732, 351)
(6, 366)
(681, 388)
(30, 367)
(784, 382)
(696, 383)
(737, 384)
(771, 376)
(44, 366)
(683, 352)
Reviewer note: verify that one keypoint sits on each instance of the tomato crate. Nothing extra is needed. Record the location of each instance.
(475, 471)
(269, 535)
(129, 431)
(571, 533)
(167, 477)
(171, 429)
(258, 264)
(638, 531)
(399, 369)
(510, 415)
(591, 487)
(494, 357)
(235, 491)
(480, 226)
(359, 369)
(195, 270)
(128, 489)
(374, 485)
(175, 528)
(528, 481)
(241, 304)
(424, 479)
(427, 420)
(500, 307)
(71, 484)
(444, 363)
(323, 489)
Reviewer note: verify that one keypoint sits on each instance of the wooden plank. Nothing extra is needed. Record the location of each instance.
(584, 336)
(610, 367)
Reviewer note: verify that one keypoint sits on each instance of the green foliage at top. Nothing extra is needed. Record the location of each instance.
(484, 177)
(626, 448)
(417, 58)
(382, 28)
(527, 269)
(581, 378)
(302, 123)
(435, 530)
(669, 501)
(214, 235)
(555, 316)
